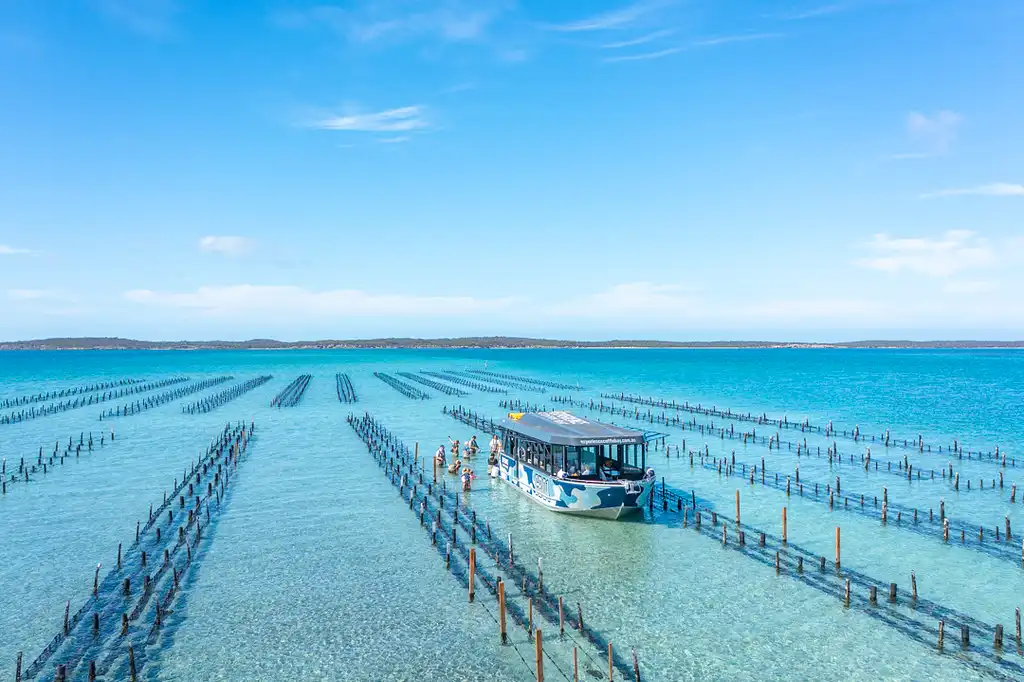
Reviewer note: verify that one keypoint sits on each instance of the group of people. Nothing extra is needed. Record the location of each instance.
(469, 449)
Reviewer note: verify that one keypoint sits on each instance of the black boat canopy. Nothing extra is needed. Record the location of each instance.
(565, 428)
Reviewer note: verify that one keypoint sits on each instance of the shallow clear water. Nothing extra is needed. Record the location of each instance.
(315, 568)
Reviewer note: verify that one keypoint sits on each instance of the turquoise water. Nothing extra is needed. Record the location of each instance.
(316, 570)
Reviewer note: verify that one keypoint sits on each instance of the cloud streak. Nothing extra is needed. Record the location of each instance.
(402, 119)
(228, 246)
(694, 45)
(152, 18)
(931, 135)
(642, 40)
(995, 189)
(6, 250)
(373, 21)
(616, 19)
(956, 251)
(291, 301)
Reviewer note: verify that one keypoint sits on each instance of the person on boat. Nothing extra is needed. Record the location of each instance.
(561, 472)
(586, 470)
(439, 455)
(473, 447)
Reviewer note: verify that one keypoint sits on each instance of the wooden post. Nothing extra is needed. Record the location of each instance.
(575, 665)
(1018, 626)
(837, 547)
(965, 636)
(529, 616)
(737, 506)
(472, 572)
(501, 612)
(942, 633)
(997, 640)
(434, 459)
(913, 586)
(17, 669)
(611, 669)
(131, 663)
(785, 535)
(561, 617)
(539, 651)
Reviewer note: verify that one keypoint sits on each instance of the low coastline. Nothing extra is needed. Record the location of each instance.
(482, 343)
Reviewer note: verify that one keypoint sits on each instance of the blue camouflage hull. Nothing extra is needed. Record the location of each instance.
(591, 498)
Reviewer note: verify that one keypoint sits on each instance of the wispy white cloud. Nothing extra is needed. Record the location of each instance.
(37, 295)
(616, 19)
(832, 8)
(631, 298)
(995, 189)
(229, 246)
(739, 38)
(12, 251)
(402, 119)
(647, 38)
(371, 21)
(644, 56)
(955, 252)
(291, 301)
(398, 139)
(819, 11)
(694, 45)
(153, 18)
(930, 135)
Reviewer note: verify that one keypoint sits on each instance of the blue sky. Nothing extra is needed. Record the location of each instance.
(684, 169)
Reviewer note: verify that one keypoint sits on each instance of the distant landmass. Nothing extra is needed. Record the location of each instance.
(114, 343)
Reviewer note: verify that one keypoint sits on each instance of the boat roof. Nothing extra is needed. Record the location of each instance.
(565, 428)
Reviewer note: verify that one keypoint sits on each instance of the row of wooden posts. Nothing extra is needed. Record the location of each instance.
(150, 402)
(873, 595)
(783, 422)
(231, 444)
(210, 403)
(84, 401)
(366, 428)
(41, 397)
(23, 471)
(1003, 551)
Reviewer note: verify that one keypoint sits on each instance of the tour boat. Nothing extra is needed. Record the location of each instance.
(576, 466)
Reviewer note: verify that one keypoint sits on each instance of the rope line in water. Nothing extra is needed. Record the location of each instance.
(346, 392)
(527, 380)
(8, 403)
(402, 387)
(430, 383)
(828, 431)
(462, 381)
(889, 512)
(292, 393)
(157, 400)
(498, 382)
(984, 657)
(24, 470)
(395, 457)
(210, 403)
(113, 606)
(114, 394)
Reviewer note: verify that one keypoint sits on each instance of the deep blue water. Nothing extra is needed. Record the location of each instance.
(316, 570)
